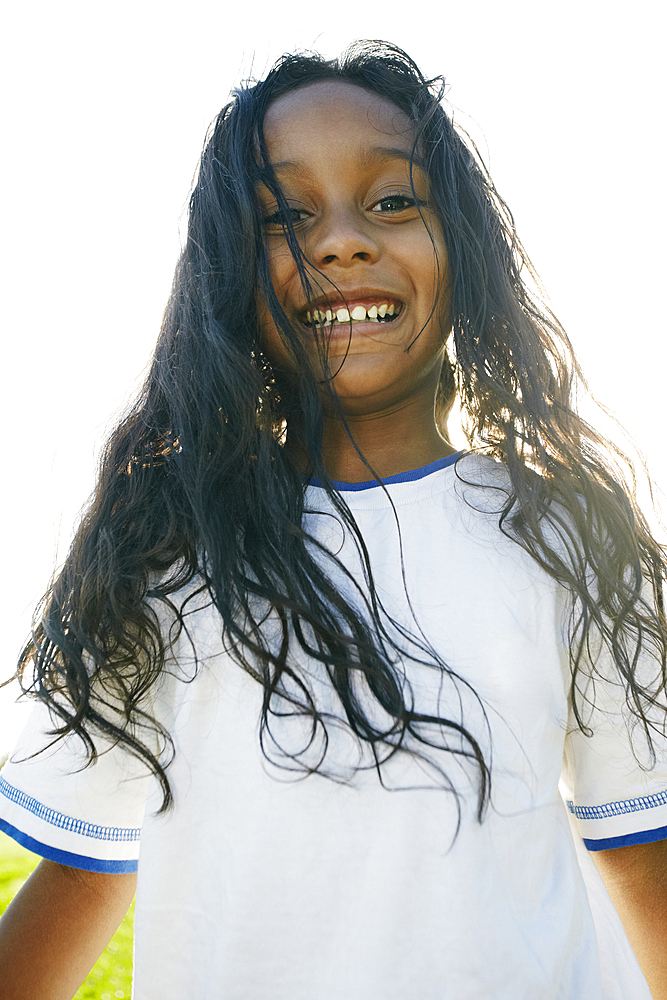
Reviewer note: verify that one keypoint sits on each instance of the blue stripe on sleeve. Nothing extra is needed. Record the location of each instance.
(66, 857)
(643, 837)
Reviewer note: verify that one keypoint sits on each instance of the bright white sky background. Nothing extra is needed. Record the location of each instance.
(108, 107)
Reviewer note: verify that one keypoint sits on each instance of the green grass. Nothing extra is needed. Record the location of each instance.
(112, 976)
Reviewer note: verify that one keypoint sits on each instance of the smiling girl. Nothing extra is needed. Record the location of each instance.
(328, 671)
(375, 328)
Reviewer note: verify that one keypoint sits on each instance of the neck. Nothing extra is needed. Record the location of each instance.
(392, 442)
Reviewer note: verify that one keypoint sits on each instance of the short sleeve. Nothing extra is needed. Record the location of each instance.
(614, 786)
(87, 817)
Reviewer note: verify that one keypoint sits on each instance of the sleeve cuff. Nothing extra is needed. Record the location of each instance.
(67, 839)
(67, 857)
(626, 840)
(639, 820)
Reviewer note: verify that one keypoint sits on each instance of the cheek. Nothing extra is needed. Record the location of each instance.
(269, 338)
(282, 268)
(432, 241)
(438, 274)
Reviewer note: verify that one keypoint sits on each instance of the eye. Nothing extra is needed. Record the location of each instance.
(275, 220)
(394, 203)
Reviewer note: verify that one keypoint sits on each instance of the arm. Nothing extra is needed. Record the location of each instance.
(636, 880)
(56, 928)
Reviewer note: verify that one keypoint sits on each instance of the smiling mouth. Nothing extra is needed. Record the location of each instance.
(382, 312)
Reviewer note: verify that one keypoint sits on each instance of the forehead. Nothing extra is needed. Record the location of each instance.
(335, 112)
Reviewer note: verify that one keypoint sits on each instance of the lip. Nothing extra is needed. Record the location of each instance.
(334, 334)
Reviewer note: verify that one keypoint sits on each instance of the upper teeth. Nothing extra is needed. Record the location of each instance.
(358, 314)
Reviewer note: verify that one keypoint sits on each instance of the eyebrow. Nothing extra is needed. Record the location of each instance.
(368, 156)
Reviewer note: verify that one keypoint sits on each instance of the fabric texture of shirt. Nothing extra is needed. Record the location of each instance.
(263, 882)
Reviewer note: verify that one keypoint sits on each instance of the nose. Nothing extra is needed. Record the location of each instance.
(342, 237)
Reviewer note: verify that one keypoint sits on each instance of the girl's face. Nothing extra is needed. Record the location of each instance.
(342, 158)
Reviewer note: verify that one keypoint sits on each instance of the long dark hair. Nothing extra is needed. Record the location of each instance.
(201, 486)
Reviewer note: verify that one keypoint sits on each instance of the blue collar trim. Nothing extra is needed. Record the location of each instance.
(402, 477)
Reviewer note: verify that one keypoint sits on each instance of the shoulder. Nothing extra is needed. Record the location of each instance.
(482, 482)
(478, 495)
(184, 610)
(530, 511)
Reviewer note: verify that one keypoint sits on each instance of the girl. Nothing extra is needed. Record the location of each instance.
(328, 670)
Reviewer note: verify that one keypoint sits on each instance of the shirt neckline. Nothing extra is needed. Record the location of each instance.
(402, 477)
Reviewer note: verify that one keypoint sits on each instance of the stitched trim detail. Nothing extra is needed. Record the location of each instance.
(68, 823)
(617, 808)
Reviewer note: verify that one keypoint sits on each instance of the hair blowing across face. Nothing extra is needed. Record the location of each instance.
(196, 485)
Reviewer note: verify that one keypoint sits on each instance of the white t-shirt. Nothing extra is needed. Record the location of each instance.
(265, 884)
